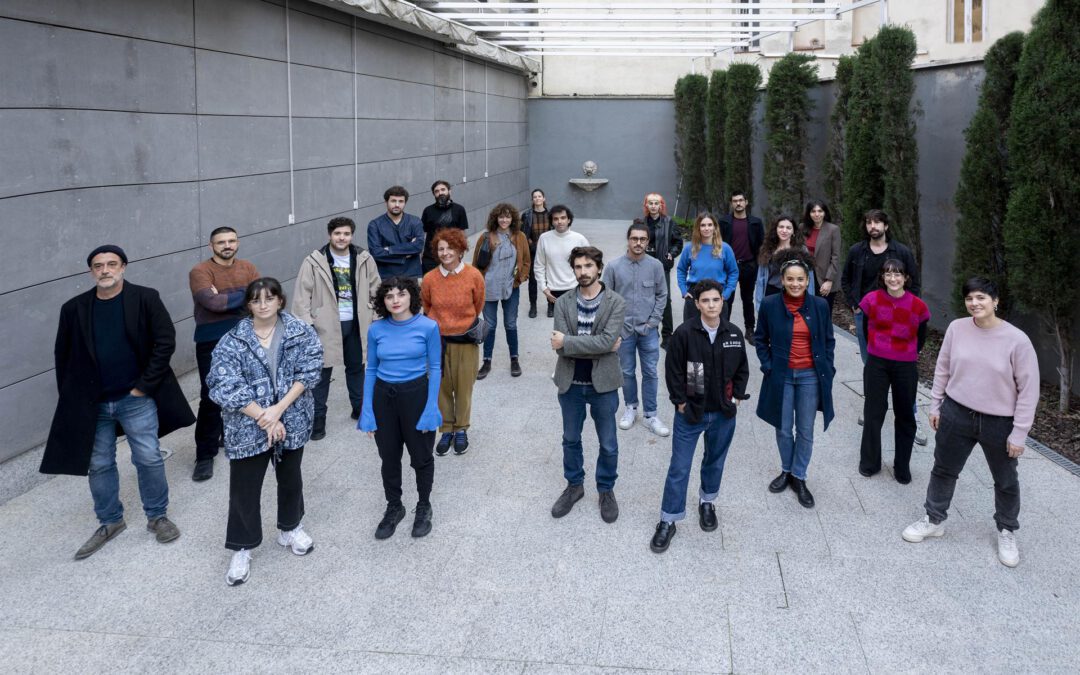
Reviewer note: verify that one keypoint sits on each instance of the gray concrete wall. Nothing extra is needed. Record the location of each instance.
(147, 123)
(632, 140)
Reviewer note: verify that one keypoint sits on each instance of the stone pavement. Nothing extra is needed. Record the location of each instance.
(501, 586)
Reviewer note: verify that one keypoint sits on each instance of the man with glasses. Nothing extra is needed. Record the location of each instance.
(641, 280)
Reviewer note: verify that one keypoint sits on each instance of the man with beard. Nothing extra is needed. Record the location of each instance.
(396, 239)
(665, 244)
(443, 213)
(588, 322)
(217, 287)
(861, 269)
(744, 234)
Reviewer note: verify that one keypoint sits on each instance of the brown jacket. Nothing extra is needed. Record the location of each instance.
(827, 255)
(314, 299)
(524, 259)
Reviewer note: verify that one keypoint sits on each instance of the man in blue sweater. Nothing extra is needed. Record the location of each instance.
(396, 239)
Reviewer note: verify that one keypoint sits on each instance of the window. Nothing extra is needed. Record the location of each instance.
(967, 20)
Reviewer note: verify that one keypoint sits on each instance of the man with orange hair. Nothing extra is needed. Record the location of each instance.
(665, 244)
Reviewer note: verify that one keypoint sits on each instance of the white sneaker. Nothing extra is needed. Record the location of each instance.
(629, 414)
(1008, 554)
(655, 425)
(920, 433)
(297, 540)
(921, 529)
(239, 568)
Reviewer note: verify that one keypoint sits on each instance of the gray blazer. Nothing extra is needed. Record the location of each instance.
(606, 372)
(827, 255)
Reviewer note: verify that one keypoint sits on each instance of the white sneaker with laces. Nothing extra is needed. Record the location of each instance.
(297, 540)
(239, 568)
(628, 416)
(921, 529)
(920, 432)
(655, 425)
(1008, 554)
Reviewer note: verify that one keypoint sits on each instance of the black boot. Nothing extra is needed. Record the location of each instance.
(805, 498)
(318, 428)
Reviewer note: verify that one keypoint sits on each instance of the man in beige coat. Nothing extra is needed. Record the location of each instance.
(333, 293)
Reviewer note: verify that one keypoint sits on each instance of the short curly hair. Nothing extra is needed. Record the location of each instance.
(406, 284)
(504, 209)
(453, 237)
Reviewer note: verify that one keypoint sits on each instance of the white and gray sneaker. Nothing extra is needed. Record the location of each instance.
(1008, 554)
(297, 540)
(629, 414)
(654, 425)
(920, 432)
(921, 529)
(239, 568)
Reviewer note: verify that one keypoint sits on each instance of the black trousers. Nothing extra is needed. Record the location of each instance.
(245, 497)
(830, 298)
(747, 281)
(397, 407)
(558, 294)
(533, 290)
(667, 326)
(208, 429)
(353, 350)
(879, 375)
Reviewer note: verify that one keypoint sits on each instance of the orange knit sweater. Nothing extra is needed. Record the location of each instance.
(453, 301)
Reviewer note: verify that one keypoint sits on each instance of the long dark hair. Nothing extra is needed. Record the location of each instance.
(503, 209)
(407, 284)
(269, 284)
(807, 221)
(772, 240)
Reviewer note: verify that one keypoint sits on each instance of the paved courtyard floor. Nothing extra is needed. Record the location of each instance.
(501, 586)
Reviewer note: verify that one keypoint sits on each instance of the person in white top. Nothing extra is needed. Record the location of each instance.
(554, 275)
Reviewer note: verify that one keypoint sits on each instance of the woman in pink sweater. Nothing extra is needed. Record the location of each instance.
(986, 388)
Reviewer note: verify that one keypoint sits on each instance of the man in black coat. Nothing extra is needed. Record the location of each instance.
(744, 234)
(112, 352)
(665, 244)
(442, 214)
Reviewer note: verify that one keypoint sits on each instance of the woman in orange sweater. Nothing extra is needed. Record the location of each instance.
(453, 296)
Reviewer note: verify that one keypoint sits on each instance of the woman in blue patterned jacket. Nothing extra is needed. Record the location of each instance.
(261, 375)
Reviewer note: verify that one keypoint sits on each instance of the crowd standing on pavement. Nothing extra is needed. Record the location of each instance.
(406, 318)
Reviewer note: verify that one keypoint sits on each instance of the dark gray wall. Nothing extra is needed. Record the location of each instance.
(632, 140)
(148, 123)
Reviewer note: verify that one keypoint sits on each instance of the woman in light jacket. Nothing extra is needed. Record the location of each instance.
(794, 342)
(822, 238)
(261, 375)
(502, 256)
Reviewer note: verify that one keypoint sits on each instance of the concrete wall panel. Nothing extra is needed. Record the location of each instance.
(322, 142)
(380, 98)
(237, 146)
(321, 192)
(448, 104)
(448, 71)
(249, 204)
(315, 41)
(37, 70)
(449, 137)
(56, 149)
(389, 139)
(415, 174)
(32, 337)
(318, 92)
(241, 85)
(163, 20)
(28, 410)
(391, 58)
(249, 27)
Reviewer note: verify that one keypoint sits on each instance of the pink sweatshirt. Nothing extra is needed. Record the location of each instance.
(990, 370)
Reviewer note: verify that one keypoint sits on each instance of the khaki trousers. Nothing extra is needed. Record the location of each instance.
(460, 363)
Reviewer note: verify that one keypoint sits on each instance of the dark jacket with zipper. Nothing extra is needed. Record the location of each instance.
(851, 280)
(706, 376)
(664, 240)
(755, 233)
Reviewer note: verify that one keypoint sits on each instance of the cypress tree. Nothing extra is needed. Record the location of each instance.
(787, 114)
(743, 80)
(982, 195)
(691, 92)
(863, 183)
(714, 148)
(1044, 168)
(834, 154)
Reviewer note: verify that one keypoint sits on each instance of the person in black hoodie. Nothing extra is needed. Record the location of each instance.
(443, 213)
(706, 372)
(665, 244)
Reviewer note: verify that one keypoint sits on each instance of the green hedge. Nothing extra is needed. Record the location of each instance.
(743, 80)
(715, 112)
(691, 92)
(787, 114)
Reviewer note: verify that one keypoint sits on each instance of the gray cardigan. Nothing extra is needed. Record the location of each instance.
(606, 372)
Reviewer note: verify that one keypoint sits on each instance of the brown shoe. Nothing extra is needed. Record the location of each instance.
(102, 535)
(163, 529)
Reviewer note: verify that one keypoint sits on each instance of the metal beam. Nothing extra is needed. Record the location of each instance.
(489, 17)
(764, 5)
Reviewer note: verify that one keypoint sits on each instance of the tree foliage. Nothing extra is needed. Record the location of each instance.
(1044, 168)
(715, 112)
(863, 184)
(691, 92)
(743, 80)
(834, 154)
(787, 114)
(982, 195)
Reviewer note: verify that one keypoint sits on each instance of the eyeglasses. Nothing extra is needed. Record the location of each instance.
(893, 275)
(267, 301)
(639, 240)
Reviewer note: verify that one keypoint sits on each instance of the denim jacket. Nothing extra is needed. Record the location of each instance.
(240, 373)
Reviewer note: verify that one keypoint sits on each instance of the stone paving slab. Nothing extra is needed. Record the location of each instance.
(501, 587)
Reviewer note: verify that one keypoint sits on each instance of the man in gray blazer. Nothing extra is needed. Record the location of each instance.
(588, 323)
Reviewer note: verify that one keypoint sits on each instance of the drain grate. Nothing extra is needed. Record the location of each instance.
(1064, 462)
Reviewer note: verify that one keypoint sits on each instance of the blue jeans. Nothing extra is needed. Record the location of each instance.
(603, 408)
(719, 431)
(137, 415)
(795, 435)
(491, 317)
(648, 346)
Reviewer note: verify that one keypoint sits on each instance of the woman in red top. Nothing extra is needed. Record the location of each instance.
(895, 322)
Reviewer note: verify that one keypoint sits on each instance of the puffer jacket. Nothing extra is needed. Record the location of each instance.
(240, 374)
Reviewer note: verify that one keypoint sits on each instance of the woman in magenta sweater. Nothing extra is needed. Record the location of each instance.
(895, 322)
(986, 388)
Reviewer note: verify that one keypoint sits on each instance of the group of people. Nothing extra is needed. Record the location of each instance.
(417, 314)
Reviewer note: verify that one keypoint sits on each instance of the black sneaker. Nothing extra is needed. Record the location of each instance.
(318, 429)
(204, 470)
(461, 442)
(532, 311)
(609, 508)
(515, 367)
(566, 500)
(443, 446)
(422, 523)
(485, 368)
(551, 310)
(395, 512)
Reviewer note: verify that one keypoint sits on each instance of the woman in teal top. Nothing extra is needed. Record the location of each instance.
(707, 257)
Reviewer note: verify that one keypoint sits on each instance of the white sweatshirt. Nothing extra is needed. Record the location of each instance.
(552, 264)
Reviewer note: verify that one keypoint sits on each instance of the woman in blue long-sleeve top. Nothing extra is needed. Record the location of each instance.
(707, 257)
(401, 397)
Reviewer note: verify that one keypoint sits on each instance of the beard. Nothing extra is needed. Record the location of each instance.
(442, 200)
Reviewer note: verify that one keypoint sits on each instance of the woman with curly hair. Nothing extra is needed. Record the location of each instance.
(707, 257)
(401, 392)
(502, 255)
(453, 296)
(780, 235)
